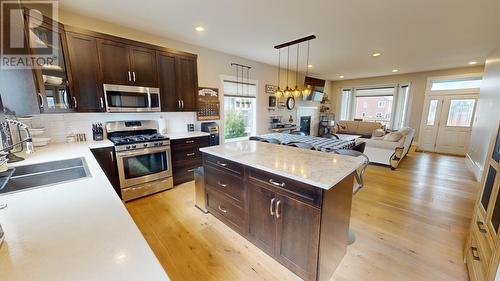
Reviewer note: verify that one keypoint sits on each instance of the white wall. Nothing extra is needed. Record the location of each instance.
(487, 114)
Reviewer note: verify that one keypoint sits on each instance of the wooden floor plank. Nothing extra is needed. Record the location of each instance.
(410, 224)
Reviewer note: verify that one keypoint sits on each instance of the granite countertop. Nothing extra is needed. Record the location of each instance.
(185, 135)
(320, 169)
(78, 230)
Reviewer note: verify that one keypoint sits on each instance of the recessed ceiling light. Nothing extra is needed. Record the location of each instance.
(395, 70)
(341, 76)
(199, 28)
(309, 65)
(473, 62)
(376, 54)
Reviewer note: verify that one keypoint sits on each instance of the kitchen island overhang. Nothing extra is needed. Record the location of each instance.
(292, 203)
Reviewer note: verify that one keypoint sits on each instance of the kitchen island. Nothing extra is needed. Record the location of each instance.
(292, 203)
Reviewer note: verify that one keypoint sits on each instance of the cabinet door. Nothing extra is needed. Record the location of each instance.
(106, 159)
(262, 219)
(167, 81)
(297, 221)
(143, 66)
(84, 60)
(187, 83)
(115, 65)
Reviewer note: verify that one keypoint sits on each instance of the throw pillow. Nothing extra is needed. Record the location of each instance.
(393, 136)
(378, 133)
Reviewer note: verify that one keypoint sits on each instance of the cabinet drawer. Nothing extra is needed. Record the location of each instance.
(184, 173)
(190, 142)
(226, 183)
(476, 263)
(223, 164)
(187, 155)
(302, 192)
(483, 237)
(222, 208)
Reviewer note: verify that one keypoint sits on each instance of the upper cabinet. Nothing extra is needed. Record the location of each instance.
(187, 81)
(84, 60)
(125, 64)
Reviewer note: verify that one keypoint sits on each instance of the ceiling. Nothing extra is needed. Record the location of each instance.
(411, 35)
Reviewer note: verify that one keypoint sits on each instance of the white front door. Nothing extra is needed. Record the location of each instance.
(447, 123)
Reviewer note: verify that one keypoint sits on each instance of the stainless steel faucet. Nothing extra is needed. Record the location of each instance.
(28, 140)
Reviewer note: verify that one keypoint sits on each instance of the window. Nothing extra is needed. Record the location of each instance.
(458, 84)
(239, 110)
(460, 112)
(381, 104)
(367, 101)
(431, 116)
(345, 104)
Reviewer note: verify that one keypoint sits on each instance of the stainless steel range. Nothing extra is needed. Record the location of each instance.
(143, 158)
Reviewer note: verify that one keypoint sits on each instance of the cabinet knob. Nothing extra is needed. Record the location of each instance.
(271, 207)
(190, 141)
(222, 209)
(278, 211)
(190, 154)
(480, 225)
(129, 76)
(102, 102)
(273, 182)
(475, 255)
(75, 101)
(133, 75)
(221, 164)
(222, 184)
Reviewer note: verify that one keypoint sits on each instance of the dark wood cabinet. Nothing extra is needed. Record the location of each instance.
(87, 87)
(115, 64)
(302, 226)
(167, 81)
(187, 83)
(107, 160)
(143, 66)
(186, 156)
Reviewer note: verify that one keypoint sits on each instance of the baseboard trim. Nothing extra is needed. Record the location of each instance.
(473, 167)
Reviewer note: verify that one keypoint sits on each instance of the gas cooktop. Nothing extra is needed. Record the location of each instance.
(131, 139)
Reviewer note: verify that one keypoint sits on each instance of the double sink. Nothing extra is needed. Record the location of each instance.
(28, 177)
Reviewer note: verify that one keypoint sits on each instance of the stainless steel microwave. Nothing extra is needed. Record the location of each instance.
(123, 98)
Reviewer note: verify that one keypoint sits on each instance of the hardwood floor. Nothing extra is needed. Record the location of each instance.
(410, 224)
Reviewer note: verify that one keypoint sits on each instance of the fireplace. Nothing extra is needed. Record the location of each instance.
(305, 124)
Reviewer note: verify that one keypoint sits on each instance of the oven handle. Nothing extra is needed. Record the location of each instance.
(143, 151)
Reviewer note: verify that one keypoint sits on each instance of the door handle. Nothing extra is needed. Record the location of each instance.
(129, 77)
(475, 256)
(480, 225)
(102, 103)
(133, 75)
(42, 104)
(271, 210)
(278, 213)
(222, 209)
(280, 184)
(75, 101)
(222, 184)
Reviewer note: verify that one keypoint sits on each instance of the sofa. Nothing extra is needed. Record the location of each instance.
(387, 148)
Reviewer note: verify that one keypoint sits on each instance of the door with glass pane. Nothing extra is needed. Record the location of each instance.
(455, 124)
(430, 122)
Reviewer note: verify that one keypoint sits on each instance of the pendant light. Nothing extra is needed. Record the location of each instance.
(288, 91)
(307, 90)
(279, 92)
(296, 91)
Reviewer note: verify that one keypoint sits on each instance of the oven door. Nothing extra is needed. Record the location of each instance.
(143, 165)
(121, 98)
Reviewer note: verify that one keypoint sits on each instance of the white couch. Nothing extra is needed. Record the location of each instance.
(389, 152)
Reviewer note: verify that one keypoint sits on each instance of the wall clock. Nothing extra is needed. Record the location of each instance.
(290, 103)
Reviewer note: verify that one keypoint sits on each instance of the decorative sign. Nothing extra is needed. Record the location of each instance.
(271, 89)
(208, 104)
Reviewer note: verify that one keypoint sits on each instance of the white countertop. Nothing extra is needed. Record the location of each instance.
(320, 169)
(78, 230)
(185, 135)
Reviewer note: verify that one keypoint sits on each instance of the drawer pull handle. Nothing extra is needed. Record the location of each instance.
(222, 209)
(190, 154)
(189, 141)
(278, 213)
(480, 225)
(221, 164)
(222, 184)
(271, 210)
(280, 184)
(474, 253)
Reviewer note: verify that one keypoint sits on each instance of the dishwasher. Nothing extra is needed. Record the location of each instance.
(199, 189)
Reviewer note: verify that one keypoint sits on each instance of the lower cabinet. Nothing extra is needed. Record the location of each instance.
(186, 157)
(106, 159)
(280, 216)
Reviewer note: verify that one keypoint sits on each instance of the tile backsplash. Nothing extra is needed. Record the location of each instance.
(58, 126)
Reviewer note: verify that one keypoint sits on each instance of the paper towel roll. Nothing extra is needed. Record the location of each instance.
(162, 126)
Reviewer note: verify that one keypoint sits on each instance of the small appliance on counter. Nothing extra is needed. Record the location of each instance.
(213, 129)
